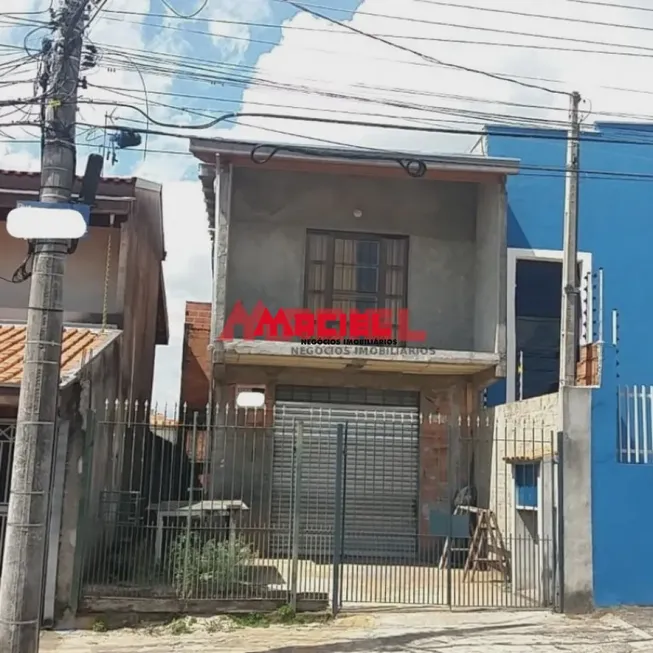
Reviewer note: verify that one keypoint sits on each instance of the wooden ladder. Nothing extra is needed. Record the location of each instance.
(486, 540)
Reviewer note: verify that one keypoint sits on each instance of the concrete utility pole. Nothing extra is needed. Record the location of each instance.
(25, 545)
(570, 289)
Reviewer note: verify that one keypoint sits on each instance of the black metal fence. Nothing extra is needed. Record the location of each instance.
(7, 439)
(333, 503)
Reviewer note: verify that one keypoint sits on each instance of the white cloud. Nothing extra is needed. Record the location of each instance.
(335, 61)
(234, 10)
(187, 271)
(332, 62)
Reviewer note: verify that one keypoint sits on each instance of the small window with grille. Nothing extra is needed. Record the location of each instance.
(356, 272)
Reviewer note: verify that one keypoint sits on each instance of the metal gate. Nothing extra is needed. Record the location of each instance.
(380, 479)
(7, 439)
(334, 497)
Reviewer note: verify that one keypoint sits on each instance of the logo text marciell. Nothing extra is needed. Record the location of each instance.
(326, 324)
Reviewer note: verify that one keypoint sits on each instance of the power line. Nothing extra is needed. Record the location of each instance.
(208, 73)
(549, 172)
(610, 4)
(525, 169)
(399, 62)
(189, 16)
(526, 133)
(511, 12)
(502, 44)
(425, 108)
(305, 28)
(421, 54)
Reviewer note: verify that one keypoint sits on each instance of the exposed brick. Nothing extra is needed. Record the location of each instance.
(196, 358)
(263, 417)
(587, 369)
(198, 315)
(434, 444)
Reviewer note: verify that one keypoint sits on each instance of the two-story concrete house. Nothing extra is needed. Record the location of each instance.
(322, 228)
(114, 317)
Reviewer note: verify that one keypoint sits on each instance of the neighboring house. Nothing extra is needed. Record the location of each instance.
(320, 228)
(115, 315)
(614, 236)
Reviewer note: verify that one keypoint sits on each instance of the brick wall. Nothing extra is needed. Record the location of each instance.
(433, 453)
(196, 360)
(587, 369)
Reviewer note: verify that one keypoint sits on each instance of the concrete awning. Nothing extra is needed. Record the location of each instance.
(369, 359)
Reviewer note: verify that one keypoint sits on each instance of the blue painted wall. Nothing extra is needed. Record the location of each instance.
(615, 218)
(616, 226)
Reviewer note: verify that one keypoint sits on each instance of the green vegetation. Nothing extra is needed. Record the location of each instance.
(220, 565)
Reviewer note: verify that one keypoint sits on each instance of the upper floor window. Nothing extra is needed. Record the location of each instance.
(351, 271)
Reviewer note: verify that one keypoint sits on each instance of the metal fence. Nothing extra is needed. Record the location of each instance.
(635, 424)
(7, 438)
(349, 506)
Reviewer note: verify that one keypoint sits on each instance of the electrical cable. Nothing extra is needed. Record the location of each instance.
(525, 170)
(411, 63)
(24, 271)
(190, 16)
(523, 14)
(417, 53)
(484, 117)
(501, 44)
(334, 121)
(503, 11)
(610, 4)
(252, 81)
(305, 28)
(402, 105)
(98, 9)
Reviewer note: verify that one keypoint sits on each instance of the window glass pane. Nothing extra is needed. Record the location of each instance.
(344, 252)
(317, 247)
(367, 279)
(394, 282)
(344, 277)
(316, 277)
(354, 303)
(367, 252)
(365, 303)
(315, 301)
(395, 252)
(356, 280)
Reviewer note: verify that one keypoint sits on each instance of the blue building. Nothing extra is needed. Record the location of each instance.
(615, 236)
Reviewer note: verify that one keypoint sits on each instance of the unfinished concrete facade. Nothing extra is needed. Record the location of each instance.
(284, 231)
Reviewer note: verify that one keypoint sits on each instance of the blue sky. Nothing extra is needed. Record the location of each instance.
(306, 66)
(198, 42)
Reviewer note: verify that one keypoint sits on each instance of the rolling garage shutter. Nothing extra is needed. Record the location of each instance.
(380, 471)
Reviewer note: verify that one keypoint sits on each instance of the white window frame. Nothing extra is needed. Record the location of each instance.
(550, 255)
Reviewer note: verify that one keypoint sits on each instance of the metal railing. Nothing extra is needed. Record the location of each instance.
(7, 439)
(325, 503)
(635, 424)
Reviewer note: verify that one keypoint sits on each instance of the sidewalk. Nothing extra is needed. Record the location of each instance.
(428, 631)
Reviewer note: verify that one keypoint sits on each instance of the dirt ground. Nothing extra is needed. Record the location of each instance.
(429, 630)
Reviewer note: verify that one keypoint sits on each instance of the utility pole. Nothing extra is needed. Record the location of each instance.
(23, 565)
(570, 290)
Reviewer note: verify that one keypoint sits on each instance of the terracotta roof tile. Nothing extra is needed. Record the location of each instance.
(78, 343)
(158, 419)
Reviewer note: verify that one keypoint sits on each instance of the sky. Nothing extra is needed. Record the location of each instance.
(267, 56)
